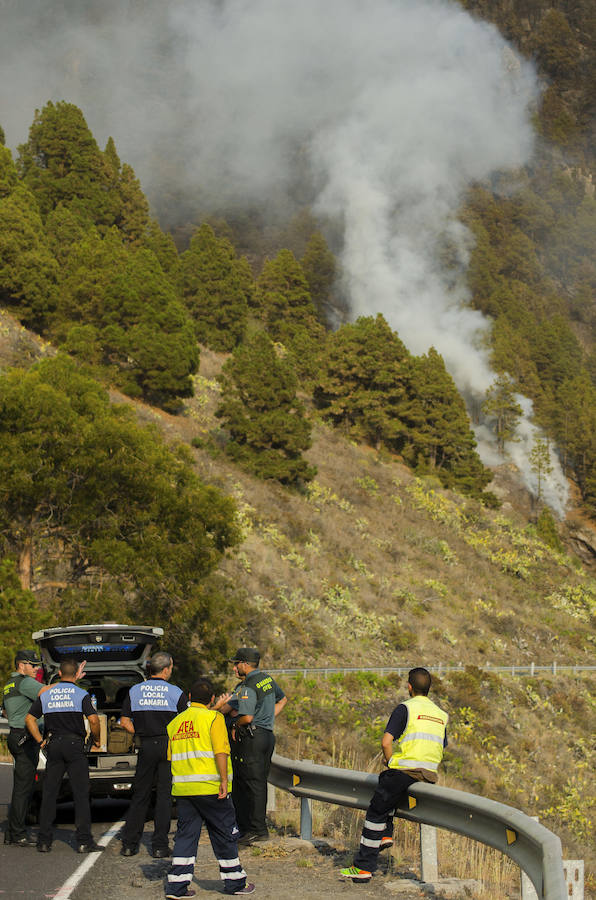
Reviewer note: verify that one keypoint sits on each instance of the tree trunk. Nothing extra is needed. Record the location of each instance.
(25, 563)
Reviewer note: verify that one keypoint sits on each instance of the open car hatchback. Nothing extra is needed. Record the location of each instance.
(116, 657)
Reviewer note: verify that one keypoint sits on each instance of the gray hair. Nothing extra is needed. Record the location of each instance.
(159, 662)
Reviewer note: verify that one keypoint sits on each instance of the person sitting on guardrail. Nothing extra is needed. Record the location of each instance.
(419, 727)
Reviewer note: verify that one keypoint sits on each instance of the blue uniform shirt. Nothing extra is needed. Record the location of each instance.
(64, 706)
(152, 705)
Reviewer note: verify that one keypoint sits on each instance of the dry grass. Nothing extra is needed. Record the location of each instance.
(458, 857)
(373, 567)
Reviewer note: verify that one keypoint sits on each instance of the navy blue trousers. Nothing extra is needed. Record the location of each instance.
(66, 753)
(391, 791)
(153, 770)
(218, 816)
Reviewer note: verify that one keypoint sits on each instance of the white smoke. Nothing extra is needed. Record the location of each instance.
(393, 107)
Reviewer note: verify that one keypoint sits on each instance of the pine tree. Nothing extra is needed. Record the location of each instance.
(28, 271)
(20, 613)
(267, 427)
(132, 216)
(164, 248)
(540, 464)
(502, 409)
(284, 299)
(215, 287)
(363, 381)
(129, 311)
(320, 269)
(439, 436)
(80, 472)
(61, 162)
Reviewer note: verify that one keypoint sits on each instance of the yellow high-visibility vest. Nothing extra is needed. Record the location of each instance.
(192, 754)
(421, 744)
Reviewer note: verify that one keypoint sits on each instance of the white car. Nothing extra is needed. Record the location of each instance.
(116, 657)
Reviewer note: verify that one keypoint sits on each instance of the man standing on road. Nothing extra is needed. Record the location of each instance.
(201, 772)
(19, 693)
(419, 727)
(147, 711)
(64, 707)
(257, 700)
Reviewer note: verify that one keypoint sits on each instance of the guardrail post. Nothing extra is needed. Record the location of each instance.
(528, 891)
(574, 877)
(305, 819)
(270, 798)
(429, 868)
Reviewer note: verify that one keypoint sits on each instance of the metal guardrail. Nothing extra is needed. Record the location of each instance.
(531, 669)
(533, 847)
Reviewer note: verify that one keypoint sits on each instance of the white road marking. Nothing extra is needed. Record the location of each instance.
(77, 876)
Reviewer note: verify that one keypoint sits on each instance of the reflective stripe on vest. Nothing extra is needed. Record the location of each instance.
(421, 744)
(192, 756)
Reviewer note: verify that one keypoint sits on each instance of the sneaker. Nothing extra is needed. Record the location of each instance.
(386, 842)
(247, 889)
(189, 893)
(129, 850)
(161, 853)
(356, 874)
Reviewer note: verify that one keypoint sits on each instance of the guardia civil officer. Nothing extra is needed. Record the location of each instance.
(419, 727)
(255, 702)
(19, 693)
(201, 773)
(147, 711)
(64, 706)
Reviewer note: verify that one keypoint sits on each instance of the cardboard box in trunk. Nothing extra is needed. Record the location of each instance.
(103, 733)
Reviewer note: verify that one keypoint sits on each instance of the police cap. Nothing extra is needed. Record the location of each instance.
(247, 654)
(27, 656)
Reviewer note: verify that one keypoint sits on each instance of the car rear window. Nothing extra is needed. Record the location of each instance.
(96, 648)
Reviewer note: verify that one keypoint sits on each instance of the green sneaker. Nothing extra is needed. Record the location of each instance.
(356, 874)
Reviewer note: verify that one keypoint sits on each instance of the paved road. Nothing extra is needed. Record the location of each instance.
(283, 869)
(24, 873)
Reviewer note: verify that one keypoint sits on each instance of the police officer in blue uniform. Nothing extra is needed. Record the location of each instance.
(64, 707)
(20, 691)
(147, 711)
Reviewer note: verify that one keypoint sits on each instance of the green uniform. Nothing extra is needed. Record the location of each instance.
(19, 694)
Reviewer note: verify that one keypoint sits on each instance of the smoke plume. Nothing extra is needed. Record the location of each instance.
(392, 108)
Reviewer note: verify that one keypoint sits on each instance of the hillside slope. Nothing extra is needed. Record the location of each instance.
(373, 566)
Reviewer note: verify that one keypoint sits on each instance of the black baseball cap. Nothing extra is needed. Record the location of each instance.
(29, 656)
(247, 654)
